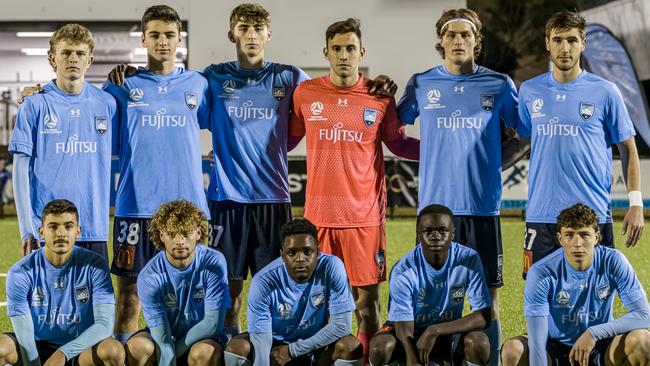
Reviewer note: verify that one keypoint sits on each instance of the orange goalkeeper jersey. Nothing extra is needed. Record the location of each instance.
(344, 128)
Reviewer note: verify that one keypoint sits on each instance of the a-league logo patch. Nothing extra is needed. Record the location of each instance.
(458, 293)
(279, 92)
(586, 110)
(603, 291)
(369, 116)
(191, 100)
(136, 94)
(82, 294)
(284, 310)
(198, 294)
(101, 124)
(562, 298)
(487, 102)
(170, 300)
(317, 300)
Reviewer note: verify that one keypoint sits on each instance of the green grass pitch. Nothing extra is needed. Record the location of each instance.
(400, 238)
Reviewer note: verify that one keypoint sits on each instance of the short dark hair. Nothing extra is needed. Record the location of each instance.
(163, 13)
(350, 25)
(435, 209)
(249, 12)
(298, 226)
(462, 13)
(175, 217)
(576, 217)
(566, 20)
(59, 207)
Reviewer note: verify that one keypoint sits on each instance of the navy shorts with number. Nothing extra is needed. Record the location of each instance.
(483, 234)
(541, 239)
(248, 234)
(448, 349)
(132, 247)
(559, 352)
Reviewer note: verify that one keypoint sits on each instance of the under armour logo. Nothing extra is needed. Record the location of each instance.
(561, 97)
(75, 112)
(343, 102)
(250, 81)
(59, 283)
(162, 90)
(584, 286)
(459, 89)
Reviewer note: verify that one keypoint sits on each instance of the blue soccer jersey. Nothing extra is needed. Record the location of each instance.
(460, 136)
(575, 300)
(250, 116)
(68, 139)
(292, 311)
(59, 299)
(421, 294)
(159, 144)
(572, 127)
(180, 297)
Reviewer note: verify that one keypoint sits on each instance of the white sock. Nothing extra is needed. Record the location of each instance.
(347, 362)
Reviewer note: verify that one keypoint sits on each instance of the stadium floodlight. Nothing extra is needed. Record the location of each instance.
(34, 51)
(34, 34)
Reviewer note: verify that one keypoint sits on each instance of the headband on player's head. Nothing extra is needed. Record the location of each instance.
(459, 20)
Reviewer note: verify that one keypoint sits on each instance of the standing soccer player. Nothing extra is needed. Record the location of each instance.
(299, 308)
(346, 190)
(184, 293)
(62, 144)
(568, 303)
(249, 190)
(427, 290)
(60, 300)
(463, 110)
(574, 117)
(162, 109)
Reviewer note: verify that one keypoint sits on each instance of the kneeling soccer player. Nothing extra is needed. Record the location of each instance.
(60, 300)
(184, 293)
(289, 303)
(427, 290)
(568, 303)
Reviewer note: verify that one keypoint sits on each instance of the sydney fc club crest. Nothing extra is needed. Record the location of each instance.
(317, 300)
(603, 292)
(458, 293)
(586, 110)
(279, 92)
(191, 100)
(101, 124)
(82, 294)
(369, 116)
(487, 102)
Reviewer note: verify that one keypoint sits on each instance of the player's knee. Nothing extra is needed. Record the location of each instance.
(381, 349)
(477, 348)
(512, 352)
(8, 351)
(203, 353)
(638, 341)
(239, 346)
(140, 349)
(348, 348)
(111, 352)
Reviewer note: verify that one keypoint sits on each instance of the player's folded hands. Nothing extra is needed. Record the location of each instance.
(579, 355)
